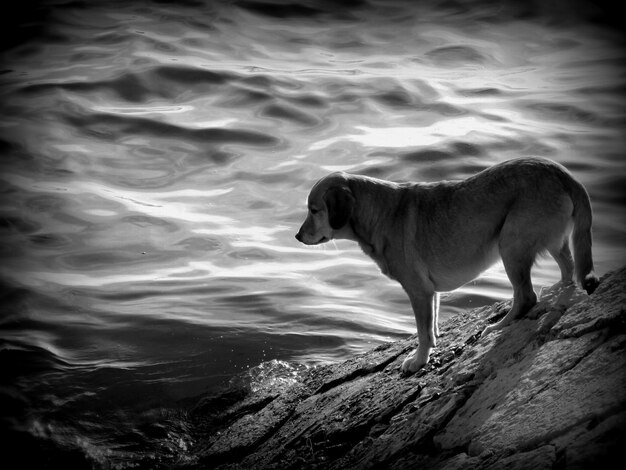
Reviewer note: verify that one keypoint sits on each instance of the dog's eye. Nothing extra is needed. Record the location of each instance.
(314, 211)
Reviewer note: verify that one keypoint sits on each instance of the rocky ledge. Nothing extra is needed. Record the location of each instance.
(547, 392)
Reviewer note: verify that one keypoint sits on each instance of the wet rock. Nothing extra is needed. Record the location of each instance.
(549, 391)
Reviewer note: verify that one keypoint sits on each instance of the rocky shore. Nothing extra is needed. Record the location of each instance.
(547, 392)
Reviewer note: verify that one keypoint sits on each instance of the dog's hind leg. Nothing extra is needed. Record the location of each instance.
(563, 257)
(518, 260)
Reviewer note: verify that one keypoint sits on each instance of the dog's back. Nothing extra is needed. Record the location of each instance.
(525, 206)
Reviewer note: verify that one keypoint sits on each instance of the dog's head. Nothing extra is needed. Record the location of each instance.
(330, 205)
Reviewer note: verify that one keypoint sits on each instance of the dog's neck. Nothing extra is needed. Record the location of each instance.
(374, 247)
(372, 211)
(369, 223)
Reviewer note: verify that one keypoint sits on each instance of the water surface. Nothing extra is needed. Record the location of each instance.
(156, 159)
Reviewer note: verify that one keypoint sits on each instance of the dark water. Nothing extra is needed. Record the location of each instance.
(156, 158)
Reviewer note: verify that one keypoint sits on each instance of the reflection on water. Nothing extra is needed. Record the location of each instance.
(156, 160)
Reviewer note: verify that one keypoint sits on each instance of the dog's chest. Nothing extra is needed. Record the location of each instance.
(378, 255)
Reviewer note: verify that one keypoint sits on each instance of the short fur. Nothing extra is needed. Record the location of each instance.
(435, 237)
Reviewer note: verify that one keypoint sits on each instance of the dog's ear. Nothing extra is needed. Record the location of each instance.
(340, 204)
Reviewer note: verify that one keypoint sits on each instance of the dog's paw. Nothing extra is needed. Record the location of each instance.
(413, 362)
(590, 283)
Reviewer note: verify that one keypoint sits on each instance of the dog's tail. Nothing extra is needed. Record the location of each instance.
(581, 237)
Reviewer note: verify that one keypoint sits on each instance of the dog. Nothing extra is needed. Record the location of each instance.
(435, 237)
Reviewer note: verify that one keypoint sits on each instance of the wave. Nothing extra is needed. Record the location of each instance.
(457, 56)
(114, 127)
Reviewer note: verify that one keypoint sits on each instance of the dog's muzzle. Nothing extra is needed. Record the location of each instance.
(301, 240)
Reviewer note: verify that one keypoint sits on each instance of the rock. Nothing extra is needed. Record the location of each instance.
(548, 391)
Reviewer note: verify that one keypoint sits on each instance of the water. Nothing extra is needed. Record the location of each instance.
(156, 159)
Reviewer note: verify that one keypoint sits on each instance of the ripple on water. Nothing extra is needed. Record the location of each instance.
(457, 56)
(115, 127)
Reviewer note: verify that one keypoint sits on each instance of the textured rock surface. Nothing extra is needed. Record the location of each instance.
(549, 392)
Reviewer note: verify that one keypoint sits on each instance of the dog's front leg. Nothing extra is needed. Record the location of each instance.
(422, 304)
